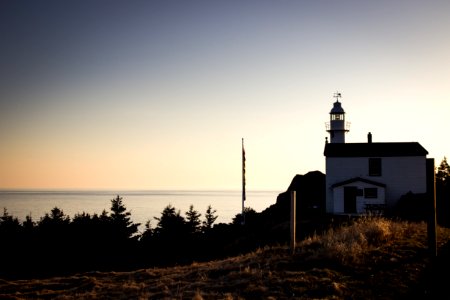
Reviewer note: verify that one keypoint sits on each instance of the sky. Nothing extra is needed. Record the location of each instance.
(159, 94)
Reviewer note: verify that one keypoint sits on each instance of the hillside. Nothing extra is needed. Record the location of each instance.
(372, 258)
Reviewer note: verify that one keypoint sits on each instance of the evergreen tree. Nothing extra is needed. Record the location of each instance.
(210, 218)
(9, 225)
(147, 235)
(443, 193)
(28, 224)
(249, 214)
(193, 220)
(171, 223)
(171, 242)
(56, 219)
(443, 172)
(120, 219)
(10, 244)
(54, 242)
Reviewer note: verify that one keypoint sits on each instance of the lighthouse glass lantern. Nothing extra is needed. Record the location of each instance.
(337, 126)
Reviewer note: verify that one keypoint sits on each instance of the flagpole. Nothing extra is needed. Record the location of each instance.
(243, 181)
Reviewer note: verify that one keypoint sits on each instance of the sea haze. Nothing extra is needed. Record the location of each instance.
(143, 205)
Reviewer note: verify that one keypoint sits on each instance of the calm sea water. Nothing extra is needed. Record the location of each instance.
(143, 205)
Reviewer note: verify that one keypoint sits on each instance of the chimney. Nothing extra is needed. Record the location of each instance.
(369, 138)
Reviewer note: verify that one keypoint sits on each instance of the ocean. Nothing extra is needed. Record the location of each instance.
(143, 205)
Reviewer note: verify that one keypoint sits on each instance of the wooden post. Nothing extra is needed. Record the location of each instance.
(431, 200)
(293, 221)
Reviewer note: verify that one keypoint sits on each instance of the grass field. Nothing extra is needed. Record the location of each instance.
(371, 258)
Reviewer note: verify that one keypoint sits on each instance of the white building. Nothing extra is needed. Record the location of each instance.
(366, 176)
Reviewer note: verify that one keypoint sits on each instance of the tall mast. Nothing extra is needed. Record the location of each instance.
(243, 181)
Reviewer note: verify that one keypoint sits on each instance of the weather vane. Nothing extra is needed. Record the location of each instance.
(337, 95)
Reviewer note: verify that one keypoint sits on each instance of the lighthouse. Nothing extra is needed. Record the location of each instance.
(369, 177)
(337, 127)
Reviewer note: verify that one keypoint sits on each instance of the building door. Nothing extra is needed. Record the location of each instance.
(350, 199)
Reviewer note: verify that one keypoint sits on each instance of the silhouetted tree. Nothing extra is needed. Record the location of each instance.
(443, 193)
(193, 220)
(120, 219)
(88, 230)
(443, 173)
(53, 242)
(170, 236)
(83, 218)
(10, 243)
(210, 218)
(28, 224)
(147, 235)
(29, 229)
(8, 222)
(249, 213)
(171, 223)
(10, 228)
(94, 242)
(55, 220)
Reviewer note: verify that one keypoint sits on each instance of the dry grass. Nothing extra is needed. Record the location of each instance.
(350, 244)
(373, 258)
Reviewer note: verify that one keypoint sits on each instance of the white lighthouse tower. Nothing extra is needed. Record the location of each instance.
(337, 127)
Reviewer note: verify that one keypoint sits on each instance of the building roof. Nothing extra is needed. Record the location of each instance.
(374, 149)
(337, 108)
(356, 179)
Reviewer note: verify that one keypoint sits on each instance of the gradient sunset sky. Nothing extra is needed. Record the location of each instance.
(158, 94)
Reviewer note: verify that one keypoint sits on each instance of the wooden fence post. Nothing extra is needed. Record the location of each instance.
(293, 221)
(431, 207)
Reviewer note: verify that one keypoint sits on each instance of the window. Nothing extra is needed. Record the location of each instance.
(374, 166)
(337, 117)
(370, 193)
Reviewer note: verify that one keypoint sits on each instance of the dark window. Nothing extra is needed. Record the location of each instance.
(370, 193)
(374, 166)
